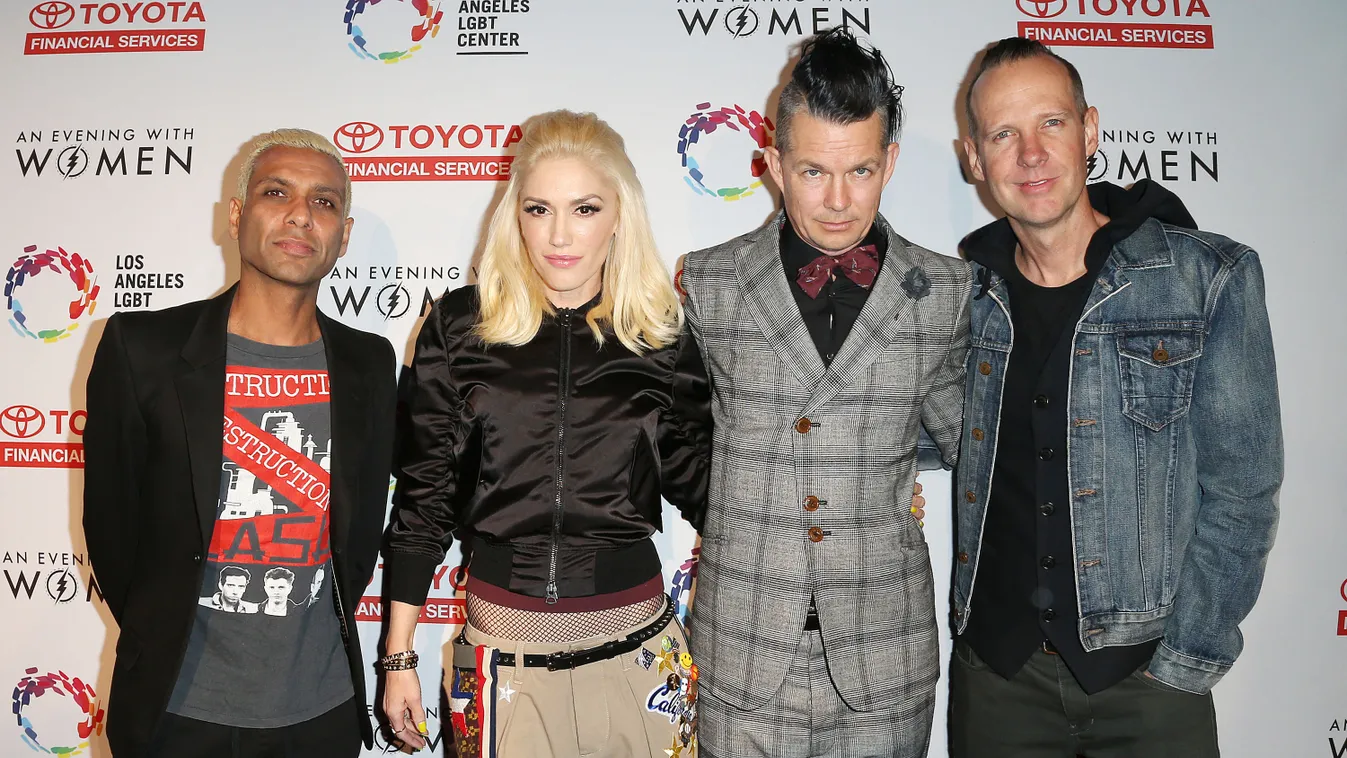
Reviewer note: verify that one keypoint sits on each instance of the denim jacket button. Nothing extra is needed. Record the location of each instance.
(985, 368)
(978, 434)
(963, 557)
(970, 497)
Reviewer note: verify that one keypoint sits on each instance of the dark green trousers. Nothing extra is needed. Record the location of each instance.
(1043, 713)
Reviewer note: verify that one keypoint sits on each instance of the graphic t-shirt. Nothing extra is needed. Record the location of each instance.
(265, 649)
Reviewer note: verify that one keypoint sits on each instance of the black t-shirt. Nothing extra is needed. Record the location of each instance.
(1025, 569)
(265, 649)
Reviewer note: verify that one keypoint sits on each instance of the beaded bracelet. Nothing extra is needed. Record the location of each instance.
(399, 661)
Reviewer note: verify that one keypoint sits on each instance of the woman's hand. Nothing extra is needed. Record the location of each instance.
(918, 505)
(402, 708)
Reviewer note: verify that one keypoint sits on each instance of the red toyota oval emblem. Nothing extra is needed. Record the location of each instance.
(22, 421)
(51, 15)
(1042, 8)
(358, 137)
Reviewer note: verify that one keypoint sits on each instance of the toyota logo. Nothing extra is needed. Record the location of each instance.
(1042, 8)
(22, 421)
(51, 15)
(358, 137)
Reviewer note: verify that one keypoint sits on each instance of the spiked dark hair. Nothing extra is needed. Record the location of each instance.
(1011, 50)
(840, 81)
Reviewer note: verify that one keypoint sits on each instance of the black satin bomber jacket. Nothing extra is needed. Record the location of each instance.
(548, 460)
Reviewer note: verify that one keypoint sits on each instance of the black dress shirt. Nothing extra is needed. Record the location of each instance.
(831, 315)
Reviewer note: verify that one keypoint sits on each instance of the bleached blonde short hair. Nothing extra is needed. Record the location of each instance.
(302, 139)
(638, 303)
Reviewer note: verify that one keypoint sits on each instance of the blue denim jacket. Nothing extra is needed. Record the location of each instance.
(1174, 447)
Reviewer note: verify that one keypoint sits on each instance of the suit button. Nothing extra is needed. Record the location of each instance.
(963, 557)
(1049, 614)
(1045, 454)
(978, 434)
(1048, 562)
(802, 426)
(811, 504)
(985, 368)
(1041, 401)
(815, 534)
(970, 497)
(196, 557)
(1046, 509)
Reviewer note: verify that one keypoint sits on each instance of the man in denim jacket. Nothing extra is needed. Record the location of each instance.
(1122, 444)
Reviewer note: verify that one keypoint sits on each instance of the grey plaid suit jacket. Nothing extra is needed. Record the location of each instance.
(901, 368)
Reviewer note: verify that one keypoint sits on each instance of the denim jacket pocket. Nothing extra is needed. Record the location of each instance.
(1158, 366)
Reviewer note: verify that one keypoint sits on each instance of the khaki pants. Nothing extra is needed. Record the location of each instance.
(616, 708)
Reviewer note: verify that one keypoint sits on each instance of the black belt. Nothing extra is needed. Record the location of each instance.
(570, 659)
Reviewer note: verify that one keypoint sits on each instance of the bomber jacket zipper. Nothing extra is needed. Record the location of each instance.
(563, 393)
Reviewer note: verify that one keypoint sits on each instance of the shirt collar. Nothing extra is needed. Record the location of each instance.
(796, 253)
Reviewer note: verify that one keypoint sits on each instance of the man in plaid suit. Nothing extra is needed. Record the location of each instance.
(831, 341)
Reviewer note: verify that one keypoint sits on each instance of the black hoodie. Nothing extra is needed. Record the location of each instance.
(993, 246)
(1027, 540)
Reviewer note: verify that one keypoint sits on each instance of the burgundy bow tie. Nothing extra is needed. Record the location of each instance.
(859, 264)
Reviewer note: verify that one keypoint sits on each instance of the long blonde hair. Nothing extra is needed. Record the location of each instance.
(638, 303)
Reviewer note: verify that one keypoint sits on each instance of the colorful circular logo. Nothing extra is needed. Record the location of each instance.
(704, 122)
(78, 270)
(51, 15)
(429, 26)
(32, 686)
(1041, 8)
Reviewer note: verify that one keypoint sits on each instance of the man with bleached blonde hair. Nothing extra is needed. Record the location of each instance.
(166, 515)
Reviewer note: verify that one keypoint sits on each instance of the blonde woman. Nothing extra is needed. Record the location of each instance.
(552, 406)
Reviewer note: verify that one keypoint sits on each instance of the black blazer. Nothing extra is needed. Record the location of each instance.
(152, 478)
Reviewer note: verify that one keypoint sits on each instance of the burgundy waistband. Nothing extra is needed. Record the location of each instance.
(493, 594)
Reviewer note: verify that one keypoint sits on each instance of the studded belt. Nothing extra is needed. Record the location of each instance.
(465, 658)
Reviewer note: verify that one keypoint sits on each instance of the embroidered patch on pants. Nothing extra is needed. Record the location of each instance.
(472, 706)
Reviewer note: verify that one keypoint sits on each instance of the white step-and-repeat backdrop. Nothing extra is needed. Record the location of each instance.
(126, 121)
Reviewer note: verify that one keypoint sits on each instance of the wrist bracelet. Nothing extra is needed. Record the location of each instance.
(399, 661)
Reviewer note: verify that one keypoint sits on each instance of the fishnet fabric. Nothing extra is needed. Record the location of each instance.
(559, 627)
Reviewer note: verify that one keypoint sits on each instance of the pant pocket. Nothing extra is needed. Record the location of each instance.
(1150, 682)
(965, 655)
